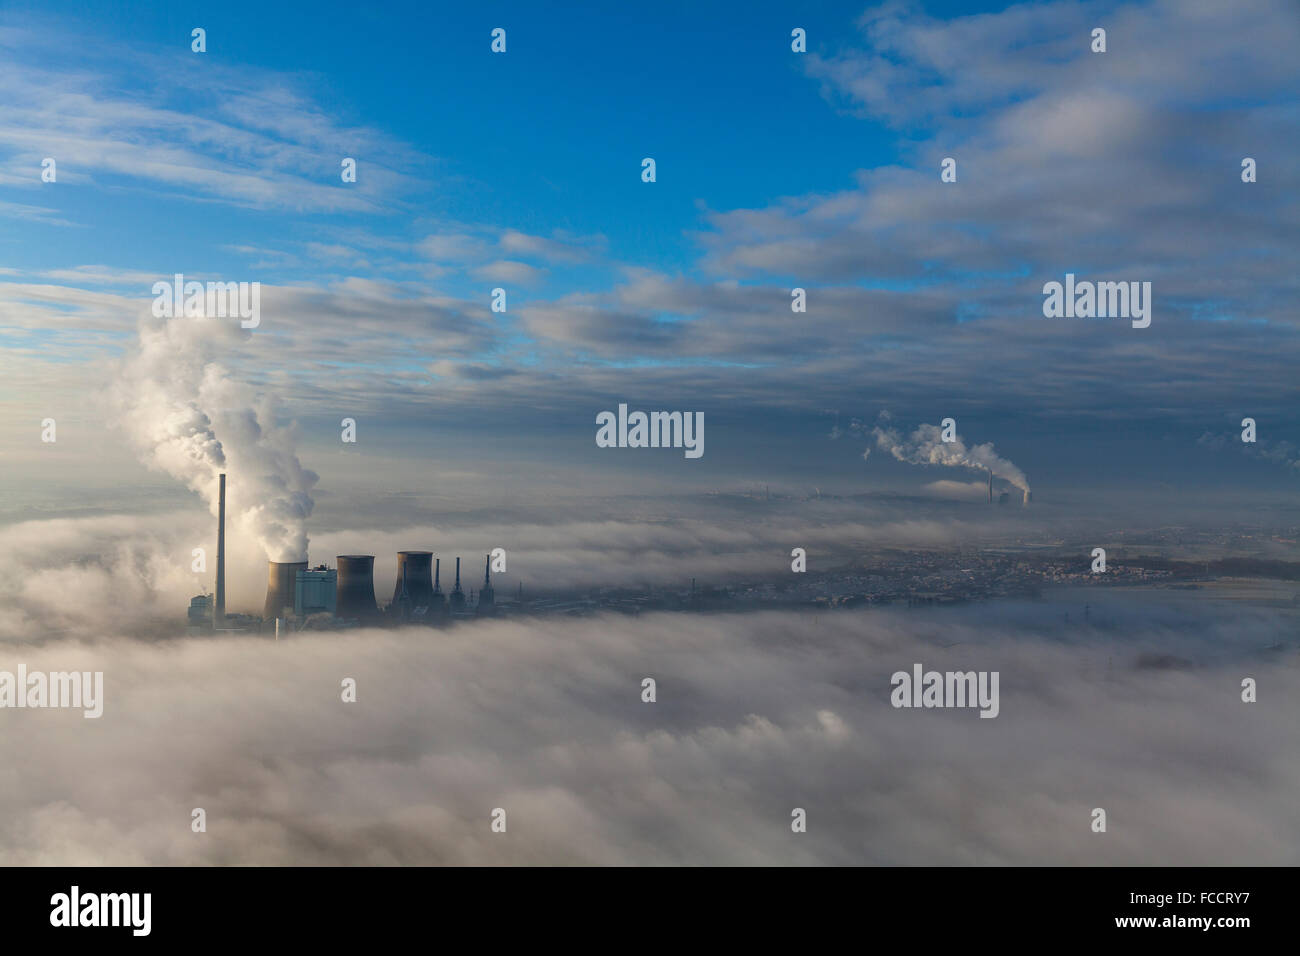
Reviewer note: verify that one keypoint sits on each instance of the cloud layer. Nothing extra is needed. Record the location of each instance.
(756, 715)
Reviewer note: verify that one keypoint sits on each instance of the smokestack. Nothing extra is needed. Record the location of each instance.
(414, 572)
(457, 595)
(990, 486)
(219, 612)
(281, 579)
(1025, 501)
(356, 587)
(487, 597)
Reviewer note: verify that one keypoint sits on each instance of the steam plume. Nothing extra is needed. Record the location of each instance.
(187, 417)
(925, 447)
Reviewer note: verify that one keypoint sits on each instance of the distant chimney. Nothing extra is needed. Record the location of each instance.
(487, 596)
(281, 578)
(457, 595)
(356, 587)
(219, 612)
(439, 599)
(990, 486)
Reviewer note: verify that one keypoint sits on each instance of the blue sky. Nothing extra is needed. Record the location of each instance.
(775, 169)
(547, 137)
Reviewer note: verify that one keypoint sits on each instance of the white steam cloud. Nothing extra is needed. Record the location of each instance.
(188, 417)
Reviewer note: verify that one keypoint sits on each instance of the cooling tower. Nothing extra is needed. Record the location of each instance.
(356, 587)
(416, 569)
(280, 580)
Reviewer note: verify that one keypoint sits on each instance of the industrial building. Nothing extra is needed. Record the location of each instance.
(315, 591)
(199, 618)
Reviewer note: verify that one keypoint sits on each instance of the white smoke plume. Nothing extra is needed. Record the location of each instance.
(188, 417)
(926, 447)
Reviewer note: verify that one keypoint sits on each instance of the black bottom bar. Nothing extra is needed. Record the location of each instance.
(376, 905)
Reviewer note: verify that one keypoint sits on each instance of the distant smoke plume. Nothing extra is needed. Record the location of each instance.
(925, 447)
(1283, 453)
(187, 417)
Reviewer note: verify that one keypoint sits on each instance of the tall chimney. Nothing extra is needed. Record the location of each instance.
(439, 599)
(281, 580)
(414, 568)
(990, 486)
(356, 587)
(458, 596)
(487, 597)
(219, 611)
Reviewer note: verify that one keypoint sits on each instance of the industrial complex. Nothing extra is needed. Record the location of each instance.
(300, 597)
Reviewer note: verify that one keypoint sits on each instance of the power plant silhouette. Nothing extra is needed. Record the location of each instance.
(343, 595)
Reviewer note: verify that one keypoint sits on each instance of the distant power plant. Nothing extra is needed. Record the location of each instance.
(341, 595)
(1005, 496)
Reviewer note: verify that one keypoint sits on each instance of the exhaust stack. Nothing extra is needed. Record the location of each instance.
(356, 587)
(487, 596)
(281, 579)
(439, 599)
(219, 611)
(457, 600)
(990, 486)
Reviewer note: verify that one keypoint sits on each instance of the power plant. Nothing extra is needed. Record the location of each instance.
(1005, 496)
(299, 596)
